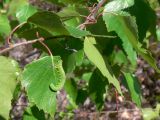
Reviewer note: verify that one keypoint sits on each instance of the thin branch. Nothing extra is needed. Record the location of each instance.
(116, 94)
(11, 46)
(72, 16)
(91, 35)
(92, 16)
(101, 36)
(12, 32)
(111, 112)
(49, 51)
(107, 112)
(19, 44)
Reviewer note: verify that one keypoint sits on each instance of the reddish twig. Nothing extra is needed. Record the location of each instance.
(49, 51)
(110, 111)
(91, 18)
(12, 32)
(116, 94)
(19, 44)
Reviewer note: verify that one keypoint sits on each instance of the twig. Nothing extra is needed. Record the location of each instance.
(10, 35)
(111, 112)
(116, 93)
(42, 39)
(49, 51)
(107, 112)
(69, 17)
(91, 18)
(101, 36)
(22, 43)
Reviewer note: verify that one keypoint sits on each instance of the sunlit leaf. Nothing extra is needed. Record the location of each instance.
(37, 78)
(151, 113)
(125, 26)
(71, 90)
(117, 5)
(77, 33)
(9, 71)
(134, 88)
(94, 56)
(24, 12)
(14, 5)
(4, 25)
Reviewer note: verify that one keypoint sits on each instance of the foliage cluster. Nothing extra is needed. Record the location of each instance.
(102, 52)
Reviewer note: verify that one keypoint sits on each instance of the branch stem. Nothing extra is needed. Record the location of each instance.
(12, 32)
(19, 44)
(92, 15)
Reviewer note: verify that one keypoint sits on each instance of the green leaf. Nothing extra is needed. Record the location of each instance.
(141, 9)
(49, 21)
(134, 88)
(125, 26)
(87, 76)
(30, 34)
(70, 16)
(24, 12)
(117, 5)
(118, 57)
(72, 60)
(4, 25)
(71, 90)
(151, 114)
(9, 73)
(68, 12)
(79, 56)
(69, 62)
(37, 78)
(158, 34)
(77, 33)
(72, 54)
(131, 54)
(14, 5)
(32, 113)
(82, 96)
(94, 56)
(97, 88)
